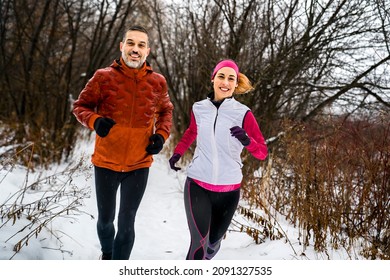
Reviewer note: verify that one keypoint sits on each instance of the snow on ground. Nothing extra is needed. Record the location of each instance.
(161, 227)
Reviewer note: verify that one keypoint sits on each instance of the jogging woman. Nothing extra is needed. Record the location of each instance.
(222, 127)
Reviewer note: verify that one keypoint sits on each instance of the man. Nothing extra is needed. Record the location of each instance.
(128, 106)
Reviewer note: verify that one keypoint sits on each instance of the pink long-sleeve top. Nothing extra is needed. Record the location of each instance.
(257, 147)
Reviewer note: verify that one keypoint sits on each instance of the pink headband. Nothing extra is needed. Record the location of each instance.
(225, 63)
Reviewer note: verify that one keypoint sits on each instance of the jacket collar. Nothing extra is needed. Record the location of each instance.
(132, 72)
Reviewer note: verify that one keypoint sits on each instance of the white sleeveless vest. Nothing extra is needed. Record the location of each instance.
(217, 157)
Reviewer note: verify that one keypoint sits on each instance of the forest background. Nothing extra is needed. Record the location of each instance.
(322, 97)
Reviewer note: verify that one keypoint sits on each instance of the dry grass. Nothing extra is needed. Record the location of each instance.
(330, 179)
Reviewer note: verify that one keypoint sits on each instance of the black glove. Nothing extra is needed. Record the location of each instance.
(172, 161)
(157, 144)
(102, 126)
(240, 134)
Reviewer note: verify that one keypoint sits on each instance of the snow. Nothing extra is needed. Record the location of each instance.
(161, 228)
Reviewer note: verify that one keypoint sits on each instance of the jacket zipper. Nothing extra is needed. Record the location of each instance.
(132, 107)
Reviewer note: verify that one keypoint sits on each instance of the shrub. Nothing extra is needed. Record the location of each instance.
(331, 179)
(39, 200)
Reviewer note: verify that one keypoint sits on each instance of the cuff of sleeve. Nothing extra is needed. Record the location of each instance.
(92, 120)
(163, 134)
(250, 145)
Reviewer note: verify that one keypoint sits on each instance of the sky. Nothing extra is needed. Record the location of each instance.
(162, 234)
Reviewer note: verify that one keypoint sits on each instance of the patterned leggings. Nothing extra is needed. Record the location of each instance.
(208, 215)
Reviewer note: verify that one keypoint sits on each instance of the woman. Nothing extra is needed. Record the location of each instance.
(222, 127)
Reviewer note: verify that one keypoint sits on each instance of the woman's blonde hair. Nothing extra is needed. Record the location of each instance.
(244, 85)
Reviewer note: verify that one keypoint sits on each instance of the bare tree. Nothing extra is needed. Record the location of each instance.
(303, 56)
(48, 50)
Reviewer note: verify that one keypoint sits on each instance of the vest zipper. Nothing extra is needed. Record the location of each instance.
(215, 169)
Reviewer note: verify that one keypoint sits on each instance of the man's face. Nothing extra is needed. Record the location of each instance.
(135, 49)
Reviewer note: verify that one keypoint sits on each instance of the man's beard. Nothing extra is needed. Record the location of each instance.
(133, 64)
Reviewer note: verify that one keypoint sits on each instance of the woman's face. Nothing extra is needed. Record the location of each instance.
(224, 83)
